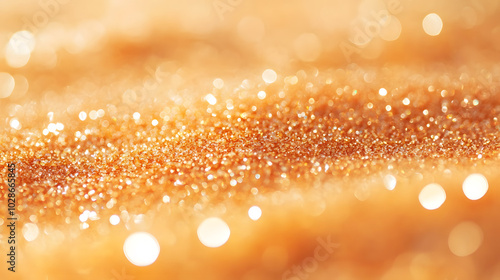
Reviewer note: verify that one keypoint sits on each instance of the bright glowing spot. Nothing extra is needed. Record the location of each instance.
(84, 216)
(390, 182)
(307, 47)
(114, 220)
(392, 30)
(254, 213)
(465, 239)
(269, 76)
(7, 84)
(18, 50)
(211, 99)
(432, 24)
(382, 92)
(59, 126)
(432, 196)
(475, 186)
(388, 108)
(136, 115)
(82, 116)
(229, 104)
(233, 182)
(15, 124)
(406, 101)
(30, 231)
(93, 115)
(141, 248)
(52, 127)
(154, 122)
(261, 95)
(218, 83)
(213, 232)
(93, 215)
(23, 41)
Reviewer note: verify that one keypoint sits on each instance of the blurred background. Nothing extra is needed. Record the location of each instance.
(225, 35)
(70, 69)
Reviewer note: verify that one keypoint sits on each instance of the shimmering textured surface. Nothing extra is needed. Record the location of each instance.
(323, 121)
(311, 124)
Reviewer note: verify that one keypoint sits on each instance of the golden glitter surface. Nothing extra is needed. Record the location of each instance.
(231, 140)
(310, 125)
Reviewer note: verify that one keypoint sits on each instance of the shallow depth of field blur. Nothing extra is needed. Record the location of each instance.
(68, 65)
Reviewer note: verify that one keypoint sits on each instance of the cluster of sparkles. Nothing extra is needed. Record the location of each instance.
(243, 138)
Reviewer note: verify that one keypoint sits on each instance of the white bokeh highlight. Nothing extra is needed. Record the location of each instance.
(19, 48)
(114, 220)
(141, 248)
(475, 186)
(213, 232)
(30, 231)
(254, 213)
(390, 182)
(432, 24)
(432, 196)
(269, 76)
